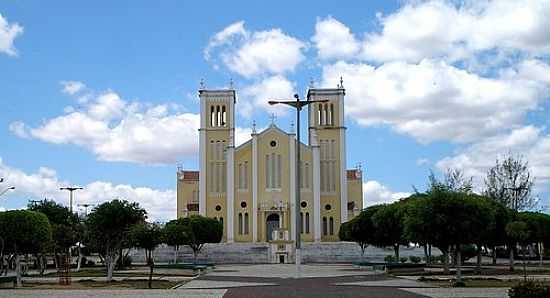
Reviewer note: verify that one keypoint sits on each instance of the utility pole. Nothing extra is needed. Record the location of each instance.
(298, 105)
(71, 190)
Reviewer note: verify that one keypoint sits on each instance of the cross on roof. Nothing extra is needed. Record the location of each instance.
(273, 118)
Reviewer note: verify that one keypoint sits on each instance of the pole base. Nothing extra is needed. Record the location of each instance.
(298, 262)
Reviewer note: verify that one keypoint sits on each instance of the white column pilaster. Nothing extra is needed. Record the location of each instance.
(343, 178)
(254, 187)
(202, 159)
(230, 206)
(316, 187)
(292, 184)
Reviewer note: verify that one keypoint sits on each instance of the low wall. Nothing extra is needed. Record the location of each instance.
(259, 253)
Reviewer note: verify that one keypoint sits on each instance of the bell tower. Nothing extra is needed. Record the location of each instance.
(216, 142)
(328, 133)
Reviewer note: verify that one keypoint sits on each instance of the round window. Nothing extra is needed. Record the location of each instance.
(273, 143)
(303, 204)
(243, 204)
(328, 207)
(218, 208)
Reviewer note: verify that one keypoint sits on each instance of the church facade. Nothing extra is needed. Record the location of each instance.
(251, 187)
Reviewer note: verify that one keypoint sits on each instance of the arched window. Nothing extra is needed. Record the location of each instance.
(246, 223)
(212, 116)
(301, 222)
(307, 222)
(221, 220)
(319, 112)
(224, 117)
(240, 223)
(324, 226)
(331, 226)
(331, 122)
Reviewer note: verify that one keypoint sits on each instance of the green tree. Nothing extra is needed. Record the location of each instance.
(539, 227)
(388, 223)
(176, 234)
(202, 230)
(108, 227)
(147, 236)
(519, 232)
(360, 229)
(24, 232)
(64, 225)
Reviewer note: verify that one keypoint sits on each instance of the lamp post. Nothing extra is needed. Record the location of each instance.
(297, 104)
(6, 190)
(71, 190)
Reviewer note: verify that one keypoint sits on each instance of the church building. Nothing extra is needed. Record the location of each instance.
(251, 187)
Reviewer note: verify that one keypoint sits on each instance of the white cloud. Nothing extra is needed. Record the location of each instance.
(375, 193)
(19, 129)
(72, 87)
(434, 101)
(257, 95)
(334, 40)
(160, 204)
(458, 31)
(255, 53)
(422, 161)
(116, 130)
(529, 141)
(8, 33)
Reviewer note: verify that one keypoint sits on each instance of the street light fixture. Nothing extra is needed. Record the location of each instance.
(7, 189)
(297, 104)
(71, 190)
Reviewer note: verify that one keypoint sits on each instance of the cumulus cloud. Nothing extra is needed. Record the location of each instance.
(433, 100)
(334, 40)
(72, 87)
(257, 95)
(375, 193)
(529, 141)
(458, 31)
(8, 33)
(117, 130)
(254, 53)
(45, 183)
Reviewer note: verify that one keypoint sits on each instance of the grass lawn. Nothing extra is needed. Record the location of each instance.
(118, 284)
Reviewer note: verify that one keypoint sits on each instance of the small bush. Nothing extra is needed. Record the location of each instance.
(90, 263)
(390, 259)
(529, 289)
(459, 284)
(468, 251)
(403, 259)
(415, 259)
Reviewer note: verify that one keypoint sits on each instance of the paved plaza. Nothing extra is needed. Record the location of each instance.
(279, 280)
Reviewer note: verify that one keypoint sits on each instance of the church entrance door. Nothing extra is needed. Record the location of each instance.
(272, 223)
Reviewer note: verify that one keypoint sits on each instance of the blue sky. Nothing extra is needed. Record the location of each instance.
(103, 94)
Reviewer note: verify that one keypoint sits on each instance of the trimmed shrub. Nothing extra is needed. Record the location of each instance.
(390, 259)
(415, 259)
(403, 259)
(529, 289)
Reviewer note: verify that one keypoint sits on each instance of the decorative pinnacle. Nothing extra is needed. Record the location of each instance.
(291, 126)
(202, 84)
(341, 83)
(253, 126)
(231, 83)
(311, 83)
(273, 118)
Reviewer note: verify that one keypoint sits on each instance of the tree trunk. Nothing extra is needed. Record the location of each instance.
(110, 262)
(78, 264)
(175, 254)
(396, 250)
(524, 269)
(426, 254)
(151, 265)
(458, 264)
(511, 258)
(18, 270)
(494, 255)
(478, 269)
(541, 252)
(446, 262)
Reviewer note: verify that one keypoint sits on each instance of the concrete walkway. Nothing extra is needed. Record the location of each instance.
(460, 292)
(122, 293)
